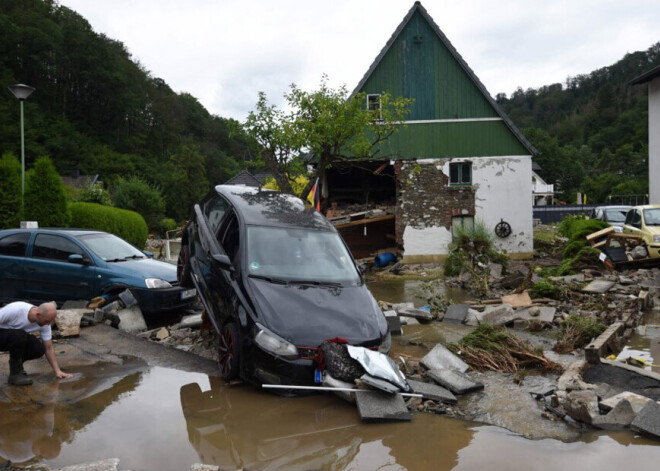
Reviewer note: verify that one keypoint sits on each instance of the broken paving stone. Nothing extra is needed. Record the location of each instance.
(456, 313)
(162, 333)
(398, 306)
(68, 321)
(472, 318)
(517, 300)
(432, 391)
(440, 358)
(618, 418)
(191, 322)
(456, 382)
(598, 286)
(408, 321)
(419, 314)
(131, 320)
(637, 401)
(394, 325)
(582, 405)
(537, 313)
(496, 315)
(647, 420)
(375, 406)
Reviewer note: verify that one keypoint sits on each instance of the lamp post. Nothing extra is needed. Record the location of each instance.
(22, 91)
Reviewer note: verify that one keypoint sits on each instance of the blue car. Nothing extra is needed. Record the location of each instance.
(40, 265)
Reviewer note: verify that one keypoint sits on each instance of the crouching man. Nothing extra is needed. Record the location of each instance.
(17, 320)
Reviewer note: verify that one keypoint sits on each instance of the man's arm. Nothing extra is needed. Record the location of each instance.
(50, 356)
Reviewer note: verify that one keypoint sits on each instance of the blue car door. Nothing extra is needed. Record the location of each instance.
(13, 248)
(51, 276)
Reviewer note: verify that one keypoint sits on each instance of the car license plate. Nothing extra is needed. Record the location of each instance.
(189, 293)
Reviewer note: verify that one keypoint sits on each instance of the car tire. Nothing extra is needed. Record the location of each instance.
(183, 267)
(229, 351)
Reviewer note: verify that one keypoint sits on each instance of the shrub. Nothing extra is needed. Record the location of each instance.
(10, 191)
(166, 224)
(576, 332)
(564, 227)
(128, 225)
(135, 194)
(545, 289)
(45, 199)
(94, 194)
(454, 263)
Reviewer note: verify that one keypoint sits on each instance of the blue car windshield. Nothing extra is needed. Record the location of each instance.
(294, 254)
(110, 247)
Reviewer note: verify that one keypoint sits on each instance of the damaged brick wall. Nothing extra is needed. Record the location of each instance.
(425, 199)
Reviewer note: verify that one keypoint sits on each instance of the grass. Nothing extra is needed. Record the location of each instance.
(577, 332)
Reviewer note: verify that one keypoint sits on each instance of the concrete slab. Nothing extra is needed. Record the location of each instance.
(379, 406)
(517, 300)
(440, 358)
(647, 421)
(582, 405)
(618, 418)
(131, 320)
(419, 314)
(537, 313)
(496, 315)
(456, 382)
(432, 392)
(456, 313)
(636, 401)
(598, 287)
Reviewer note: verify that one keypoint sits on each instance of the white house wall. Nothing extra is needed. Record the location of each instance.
(654, 141)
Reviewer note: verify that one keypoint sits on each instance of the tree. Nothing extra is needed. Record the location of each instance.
(45, 200)
(10, 191)
(188, 182)
(138, 195)
(330, 125)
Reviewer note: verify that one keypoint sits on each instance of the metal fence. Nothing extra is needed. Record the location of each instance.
(549, 214)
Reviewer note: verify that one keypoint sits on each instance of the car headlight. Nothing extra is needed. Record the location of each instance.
(656, 239)
(386, 345)
(154, 283)
(274, 344)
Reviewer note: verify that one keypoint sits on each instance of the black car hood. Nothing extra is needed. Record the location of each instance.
(307, 315)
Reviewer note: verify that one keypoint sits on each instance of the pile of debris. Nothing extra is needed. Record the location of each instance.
(192, 334)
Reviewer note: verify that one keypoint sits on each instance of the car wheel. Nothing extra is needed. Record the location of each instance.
(183, 267)
(228, 351)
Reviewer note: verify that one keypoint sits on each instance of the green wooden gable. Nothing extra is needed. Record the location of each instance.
(453, 114)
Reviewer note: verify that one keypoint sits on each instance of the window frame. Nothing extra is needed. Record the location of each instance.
(460, 170)
(379, 105)
(25, 235)
(462, 218)
(82, 251)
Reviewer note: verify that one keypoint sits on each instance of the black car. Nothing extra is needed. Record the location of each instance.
(277, 280)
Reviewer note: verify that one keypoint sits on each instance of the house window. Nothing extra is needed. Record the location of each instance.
(373, 104)
(460, 173)
(461, 223)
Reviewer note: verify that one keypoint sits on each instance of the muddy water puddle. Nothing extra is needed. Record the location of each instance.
(645, 343)
(164, 419)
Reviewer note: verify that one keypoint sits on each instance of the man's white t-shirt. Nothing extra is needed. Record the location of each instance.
(15, 316)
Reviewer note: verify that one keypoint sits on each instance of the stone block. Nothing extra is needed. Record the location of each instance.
(605, 343)
(537, 313)
(162, 333)
(456, 382)
(647, 421)
(456, 313)
(408, 321)
(68, 321)
(440, 358)
(636, 401)
(376, 406)
(131, 320)
(618, 418)
(496, 315)
(598, 287)
(394, 324)
(582, 405)
(191, 322)
(419, 314)
(398, 306)
(472, 318)
(517, 300)
(432, 392)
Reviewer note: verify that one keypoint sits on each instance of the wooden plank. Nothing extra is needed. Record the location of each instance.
(364, 221)
(591, 238)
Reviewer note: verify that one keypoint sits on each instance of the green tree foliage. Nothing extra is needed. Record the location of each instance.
(45, 199)
(97, 110)
(123, 223)
(188, 183)
(10, 191)
(138, 195)
(93, 194)
(330, 124)
(591, 131)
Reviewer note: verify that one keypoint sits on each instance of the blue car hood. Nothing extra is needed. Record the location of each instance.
(146, 268)
(308, 315)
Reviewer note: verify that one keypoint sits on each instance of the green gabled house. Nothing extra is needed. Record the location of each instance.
(458, 159)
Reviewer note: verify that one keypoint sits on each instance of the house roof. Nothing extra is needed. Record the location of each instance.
(417, 7)
(81, 181)
(244, 178)
(646, 76)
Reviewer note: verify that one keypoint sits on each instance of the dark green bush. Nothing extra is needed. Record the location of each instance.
(454, 263)
(572, 248)
(545, 289)
(581, 229)
(136, 194)
(128, 225)
(45, 199)
(565, 225)
(10, 191)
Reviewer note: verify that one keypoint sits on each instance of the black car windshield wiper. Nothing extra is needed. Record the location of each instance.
(136, 256)
(116, 260)
(315, 283)
(269, 279)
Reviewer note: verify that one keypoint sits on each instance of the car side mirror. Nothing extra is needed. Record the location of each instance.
(77, 258)
(224, 262)
(148, 254)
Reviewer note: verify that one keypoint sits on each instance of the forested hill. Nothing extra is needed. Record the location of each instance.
(97, 110)
(592, 131)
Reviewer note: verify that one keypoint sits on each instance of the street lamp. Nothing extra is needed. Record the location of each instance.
(22, 91)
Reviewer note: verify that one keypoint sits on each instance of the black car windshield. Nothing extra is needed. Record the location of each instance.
(615, 215)
(652, 217)
(294, 254)
(110, 247)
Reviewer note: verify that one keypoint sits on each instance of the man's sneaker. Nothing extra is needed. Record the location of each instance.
(19, 379)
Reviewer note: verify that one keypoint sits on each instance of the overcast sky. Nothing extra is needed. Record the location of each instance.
(225, 51)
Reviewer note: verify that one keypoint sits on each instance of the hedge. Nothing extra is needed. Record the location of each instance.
(123, 223)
